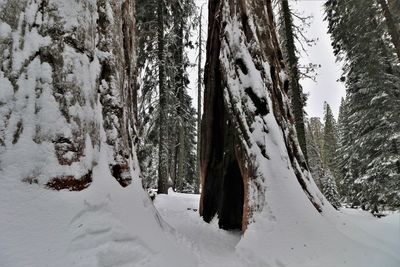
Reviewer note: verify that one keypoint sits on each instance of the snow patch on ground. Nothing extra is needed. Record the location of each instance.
(345, 238)
(104, 225)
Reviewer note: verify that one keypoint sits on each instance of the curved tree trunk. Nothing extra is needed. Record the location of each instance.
(247, 129)
(70, 78)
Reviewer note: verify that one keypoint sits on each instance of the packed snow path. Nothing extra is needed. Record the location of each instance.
(211, 245)
(216, 247)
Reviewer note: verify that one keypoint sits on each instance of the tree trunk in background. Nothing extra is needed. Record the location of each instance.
(245, 108)
(163, 108)
(293, 72)
(179, 87)
(75, 80)
(392, 28)
(199, 98)
(118, 100)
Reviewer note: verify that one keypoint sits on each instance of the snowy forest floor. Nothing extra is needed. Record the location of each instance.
(106, 225)
(215, 247)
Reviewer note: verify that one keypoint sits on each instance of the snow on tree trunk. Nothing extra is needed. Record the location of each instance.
(248, 138)
(163, 105)
(67, 73)
(292, 62)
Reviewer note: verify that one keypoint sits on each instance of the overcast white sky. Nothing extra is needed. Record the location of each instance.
(326, 88)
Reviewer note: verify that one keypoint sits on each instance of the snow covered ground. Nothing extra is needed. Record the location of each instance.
(361, 239)
(106, 225)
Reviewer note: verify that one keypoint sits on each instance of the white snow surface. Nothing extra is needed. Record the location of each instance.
(106, 225)
(345, 238)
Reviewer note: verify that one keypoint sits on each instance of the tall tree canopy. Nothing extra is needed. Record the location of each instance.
(373, 96)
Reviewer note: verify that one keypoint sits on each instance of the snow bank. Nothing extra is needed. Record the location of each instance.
(349, 238)
(104, 225)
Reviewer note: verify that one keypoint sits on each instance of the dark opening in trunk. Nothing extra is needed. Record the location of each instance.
(223, 185)
(231, 212)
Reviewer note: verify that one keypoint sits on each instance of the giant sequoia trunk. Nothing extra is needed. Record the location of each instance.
(247, 138)
(66, 82)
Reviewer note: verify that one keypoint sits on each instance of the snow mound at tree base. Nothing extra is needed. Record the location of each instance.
(348, 238)
(104, 225)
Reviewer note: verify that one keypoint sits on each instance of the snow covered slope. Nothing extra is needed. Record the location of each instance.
(103, 225)
(66, 123)
(349, 238)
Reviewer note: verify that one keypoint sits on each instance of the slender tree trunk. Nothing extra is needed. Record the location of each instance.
(177, 11)
(199, 98)
(244, 100)
(163, 106)
(393, 31)
(292, 64)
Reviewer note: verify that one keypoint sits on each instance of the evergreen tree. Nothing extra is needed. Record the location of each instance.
(148, 108)
(199, 97)
(373, 98)
(163, 104)
(296, 92)
(314, 145)
(330, 190)
(393, 29)
(343, 156)
(329, 141)
(317, 131)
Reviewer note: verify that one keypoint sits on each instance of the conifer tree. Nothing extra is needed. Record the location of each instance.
(173, 111)
(329, 141)
(289, 49)
(314, 145)
(373, 86)
(330, 190)
(392, 26)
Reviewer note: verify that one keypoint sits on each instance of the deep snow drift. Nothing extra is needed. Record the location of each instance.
(346, 238)
(106, 225)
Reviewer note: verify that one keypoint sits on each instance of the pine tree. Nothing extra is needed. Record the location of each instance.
(176, 39)
(329, 141)
(199, 98)
(296, 92)
(393, 29)
(322, 175)
(372, 102)
(148, 108)
(163, 105)
(314, 148)
(343, 156)
(330, 190)
(317, 131)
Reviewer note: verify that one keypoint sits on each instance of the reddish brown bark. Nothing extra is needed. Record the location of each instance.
(227, 138)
